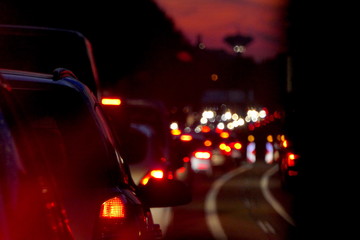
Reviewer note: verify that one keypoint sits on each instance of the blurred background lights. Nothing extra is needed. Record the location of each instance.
(187, 129)
(221, 126)
(207, 143)
(175, 132)
(197, 129)
(202, 45)
(252, 115)
(235, 117)
(241, 122)
(214, 77)
(224, 135)
(239, 49)
(208, 114)
(174, 125)
(203, 120)
(228, 115)
(262, 114)
(221, 118)
(230, 126)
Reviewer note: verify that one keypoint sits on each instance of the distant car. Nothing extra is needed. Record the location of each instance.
(142, 124)
(290, 165)
(74, 150)
(200, 161)
(197, 157)
(208, 153)
(142, 127)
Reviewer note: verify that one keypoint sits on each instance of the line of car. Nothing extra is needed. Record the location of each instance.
(62, 174)
(73, 168)
(208, 153)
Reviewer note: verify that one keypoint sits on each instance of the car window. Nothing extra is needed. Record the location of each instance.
(28, 203)
(67, 131)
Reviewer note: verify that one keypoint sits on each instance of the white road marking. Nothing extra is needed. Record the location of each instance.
(212, 219)
(270, 227)
(264, 184)
(266, 227)
(262, 226)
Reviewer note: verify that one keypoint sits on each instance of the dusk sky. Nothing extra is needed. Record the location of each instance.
(263, 20)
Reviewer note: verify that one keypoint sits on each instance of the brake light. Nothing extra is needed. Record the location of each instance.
(224, 135)
(207, 143)
(175, 132)
(284, 144)
(202, 155)
(157, 173)
(222, 146)
(114, 208)
(227, 149)
(237, 145)
(111, 101)
(205, 129)
(291, 159)
(186, 138)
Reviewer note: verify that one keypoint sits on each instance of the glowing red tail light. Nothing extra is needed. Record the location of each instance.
(222, 146)
(284, 144)
(207, 143)
(175, 132)
(237, 145)
(186, 138)
(291, 159)
(202, 154)
(157, 173)
(111, 101)
(224, 135)
(114, 208)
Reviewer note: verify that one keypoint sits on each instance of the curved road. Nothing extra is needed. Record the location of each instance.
(245, 203)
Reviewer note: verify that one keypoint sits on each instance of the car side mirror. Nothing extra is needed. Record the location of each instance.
(164, 193)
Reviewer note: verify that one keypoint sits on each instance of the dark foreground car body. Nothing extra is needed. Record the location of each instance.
(74, 158)
(29, 207)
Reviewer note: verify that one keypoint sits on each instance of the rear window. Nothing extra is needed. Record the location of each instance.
(69, 135)
(24, 205)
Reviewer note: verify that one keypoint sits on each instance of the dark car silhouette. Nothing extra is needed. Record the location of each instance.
(76, 160)
(29, 205)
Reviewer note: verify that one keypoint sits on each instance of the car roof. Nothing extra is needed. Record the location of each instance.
(26, 79)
